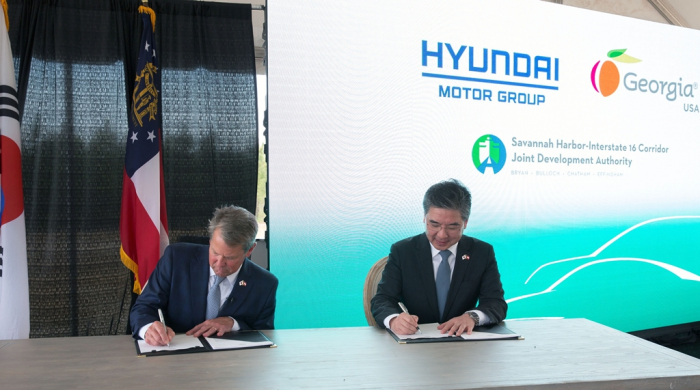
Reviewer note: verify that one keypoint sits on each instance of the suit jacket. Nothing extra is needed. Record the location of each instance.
(179, 286)
(409, 278)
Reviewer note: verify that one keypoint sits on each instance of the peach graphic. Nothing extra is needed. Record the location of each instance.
(609, 76)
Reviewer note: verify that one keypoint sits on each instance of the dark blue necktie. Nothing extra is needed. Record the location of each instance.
(442, 281)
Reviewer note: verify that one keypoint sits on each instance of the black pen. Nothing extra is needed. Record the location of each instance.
(401, 305)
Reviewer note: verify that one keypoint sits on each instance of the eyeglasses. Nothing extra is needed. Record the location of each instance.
(452, 228)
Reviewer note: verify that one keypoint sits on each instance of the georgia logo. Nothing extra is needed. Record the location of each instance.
(609, 76)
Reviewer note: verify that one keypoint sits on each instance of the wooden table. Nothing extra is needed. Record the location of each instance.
(556, 354)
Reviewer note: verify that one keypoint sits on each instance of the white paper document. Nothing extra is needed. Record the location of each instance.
(180, 341)
(488, 336)
(217, 343)
(430, 331)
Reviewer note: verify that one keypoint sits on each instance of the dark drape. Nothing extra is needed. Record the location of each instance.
(76, 65)
(209, 110)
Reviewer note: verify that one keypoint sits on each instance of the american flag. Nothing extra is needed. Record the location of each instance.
(144, 224)
(14, 285)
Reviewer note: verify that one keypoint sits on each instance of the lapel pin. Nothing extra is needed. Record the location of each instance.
(242, 283)
(465, 257)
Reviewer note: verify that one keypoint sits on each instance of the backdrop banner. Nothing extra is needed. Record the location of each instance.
(575, 131)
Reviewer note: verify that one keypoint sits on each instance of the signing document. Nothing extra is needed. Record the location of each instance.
(180, 341)
(221, 343)
(430, 331)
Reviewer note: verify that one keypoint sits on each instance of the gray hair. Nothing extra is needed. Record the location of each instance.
(236, 225)
(449, 194)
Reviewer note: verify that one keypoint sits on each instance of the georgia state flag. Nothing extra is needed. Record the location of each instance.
(143, 224)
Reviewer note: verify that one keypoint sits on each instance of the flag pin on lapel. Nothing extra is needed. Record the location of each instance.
(465, 257)
(242, 283)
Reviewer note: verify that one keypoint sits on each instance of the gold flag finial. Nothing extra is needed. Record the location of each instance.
(146, 10)
(4, 11)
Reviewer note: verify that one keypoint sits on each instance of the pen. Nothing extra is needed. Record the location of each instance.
(162, 321)
(401, 305)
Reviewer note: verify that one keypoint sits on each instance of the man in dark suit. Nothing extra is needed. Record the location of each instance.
(442, 274)
(206, 290)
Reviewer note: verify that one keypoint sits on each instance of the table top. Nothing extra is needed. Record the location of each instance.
(567, 354)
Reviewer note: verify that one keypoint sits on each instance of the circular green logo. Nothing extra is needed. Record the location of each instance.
(489, 151)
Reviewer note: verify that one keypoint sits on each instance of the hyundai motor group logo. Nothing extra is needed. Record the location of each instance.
(489, 152)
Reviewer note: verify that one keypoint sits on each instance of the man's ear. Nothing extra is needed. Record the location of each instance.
(250, 251)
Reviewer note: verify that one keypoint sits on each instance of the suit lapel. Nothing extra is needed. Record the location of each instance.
(459, 273)
(240, 292)
(424, 260)
(199, 283)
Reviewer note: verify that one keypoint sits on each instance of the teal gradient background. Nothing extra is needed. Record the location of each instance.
(324, 288)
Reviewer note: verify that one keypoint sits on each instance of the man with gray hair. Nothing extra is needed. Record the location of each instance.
(208, 289)
(441, 274)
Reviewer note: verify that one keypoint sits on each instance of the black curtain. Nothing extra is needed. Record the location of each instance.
(209, 110)
(76, 64)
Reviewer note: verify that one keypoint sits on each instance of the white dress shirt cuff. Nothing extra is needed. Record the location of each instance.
(388, 320)
(483, 318)
(236, 327)
(143, 330)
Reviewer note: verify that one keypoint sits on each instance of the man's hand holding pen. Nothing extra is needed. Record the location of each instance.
(158, 335)
(404, 324)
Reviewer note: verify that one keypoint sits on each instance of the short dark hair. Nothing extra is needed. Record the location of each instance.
(236, 225)
(449, 194)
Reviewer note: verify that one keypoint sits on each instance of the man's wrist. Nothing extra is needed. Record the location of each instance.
(143, 330)
(387, 320)
(483, 318)
(235, 327)
(474, 317)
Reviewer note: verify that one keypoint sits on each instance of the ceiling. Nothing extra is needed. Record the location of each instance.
(689, 10)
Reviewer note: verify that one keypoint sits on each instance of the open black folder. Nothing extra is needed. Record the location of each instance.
(430, 334)
(187, 344)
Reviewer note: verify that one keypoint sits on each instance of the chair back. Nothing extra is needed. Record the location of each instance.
(373, 277)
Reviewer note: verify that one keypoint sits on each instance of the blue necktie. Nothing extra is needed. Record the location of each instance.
(214, 299)
(442, 281)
